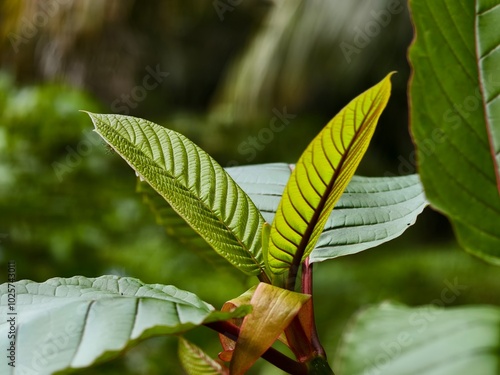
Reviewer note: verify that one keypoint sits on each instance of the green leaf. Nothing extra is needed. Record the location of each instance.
(196, 187)
(488, 51)
(372, 210)
(454, 116)
(320, 177)
(73, 323)
(273, 309)
(398, 340)
(196, 362)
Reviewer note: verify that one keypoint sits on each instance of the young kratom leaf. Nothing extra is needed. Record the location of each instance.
(320, 177)
(194, 184)
(82, 321)
(196, 362)
(273, 309)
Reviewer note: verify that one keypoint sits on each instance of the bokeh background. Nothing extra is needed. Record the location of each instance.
(219, 72)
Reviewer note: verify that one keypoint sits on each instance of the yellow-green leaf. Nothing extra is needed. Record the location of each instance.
(320, 177)
(196, 362)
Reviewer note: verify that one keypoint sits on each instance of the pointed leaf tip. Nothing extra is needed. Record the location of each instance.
(193, 184)
(320, 177)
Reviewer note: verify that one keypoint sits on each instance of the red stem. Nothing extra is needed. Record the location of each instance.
(307, 288)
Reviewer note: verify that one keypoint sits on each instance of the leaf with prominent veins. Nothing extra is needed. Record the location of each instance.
(455, 118)
(193, 183)
(83, 321)
(196, 362)
(320, 177)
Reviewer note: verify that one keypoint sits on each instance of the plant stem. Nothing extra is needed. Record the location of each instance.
(298, 341)
(307, 288)
(264, 278)
(271, 355)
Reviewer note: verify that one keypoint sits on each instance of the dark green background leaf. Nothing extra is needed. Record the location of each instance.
(448, 119)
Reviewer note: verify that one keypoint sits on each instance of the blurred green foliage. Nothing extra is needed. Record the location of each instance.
(68, 204)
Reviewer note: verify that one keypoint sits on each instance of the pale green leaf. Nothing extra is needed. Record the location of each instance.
(372, 210)
(194, 184)
(321, 176)
(398, 340)
(73, 323)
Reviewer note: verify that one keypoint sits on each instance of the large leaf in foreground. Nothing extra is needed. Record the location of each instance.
(320, 177)
(194, 184)
(81, 321)
(454, 116)
(397, 340)
(372, 210)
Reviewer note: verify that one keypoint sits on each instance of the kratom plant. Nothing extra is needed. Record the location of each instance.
(269, 221)
(274, 221)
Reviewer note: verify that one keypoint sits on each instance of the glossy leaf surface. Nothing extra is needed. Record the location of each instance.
(454, 101)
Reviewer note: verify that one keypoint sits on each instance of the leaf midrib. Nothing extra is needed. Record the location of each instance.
(172, 177)
(367, 120)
